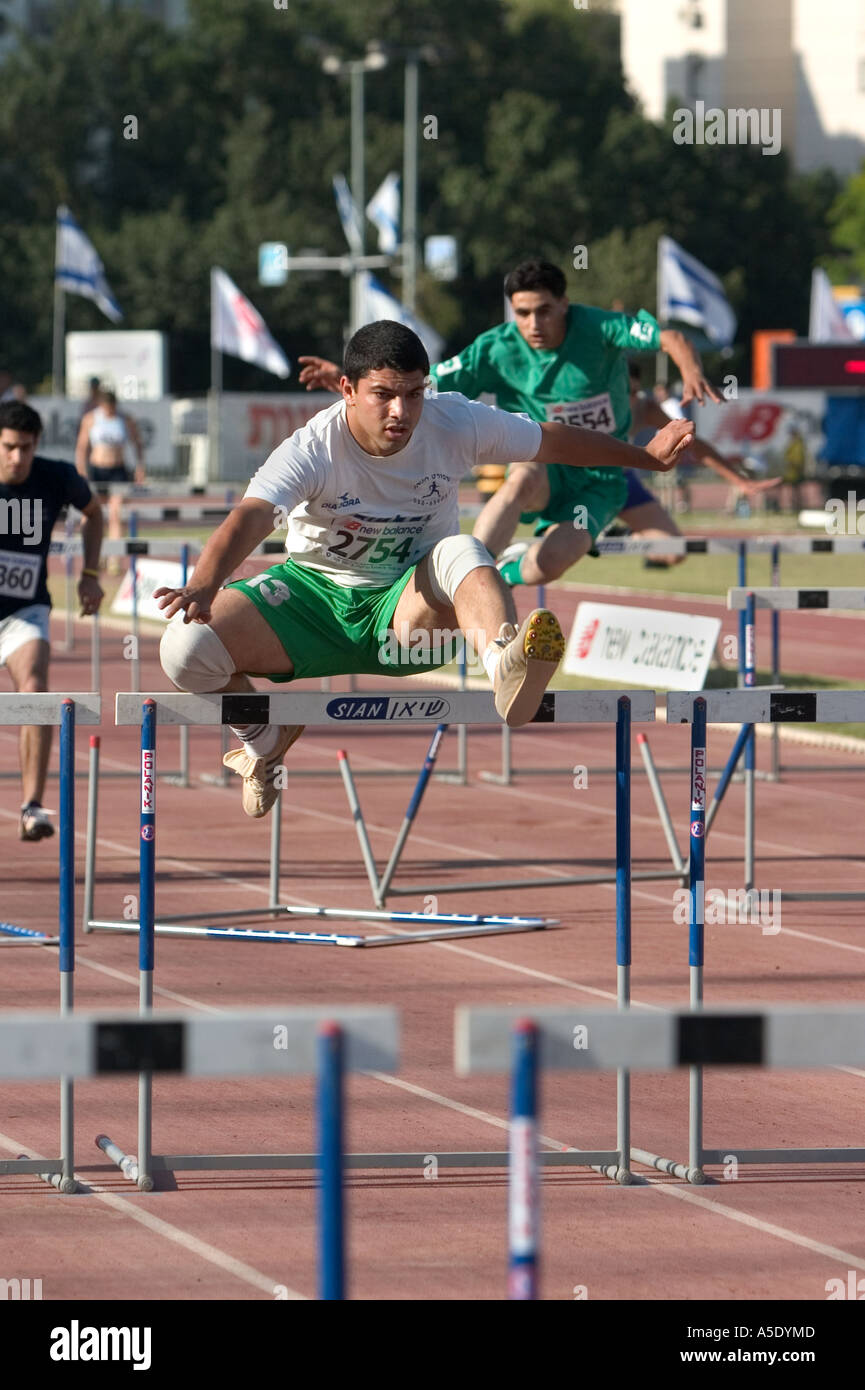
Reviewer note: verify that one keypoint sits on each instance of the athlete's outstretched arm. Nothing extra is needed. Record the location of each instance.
(706, 454)
(593, 449)
(687, 359)
(319, 374)
(251, 522)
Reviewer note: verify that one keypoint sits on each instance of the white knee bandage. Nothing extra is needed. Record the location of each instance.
(194, 658)
(451, 560)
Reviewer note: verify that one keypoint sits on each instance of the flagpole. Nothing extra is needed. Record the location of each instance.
(666, 481)
(58, 347)
(661, 363)
(214, 399)
(409, 192)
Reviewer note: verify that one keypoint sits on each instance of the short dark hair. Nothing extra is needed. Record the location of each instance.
(109, 397)
(15, 415)
(536, 275)
(93, 383)
(381, 345)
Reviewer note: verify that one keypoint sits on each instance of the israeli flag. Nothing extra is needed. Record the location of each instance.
(78, 269)
(383, 211)
(827, 322)
(688, 291)
(349, 214)
(377, 304)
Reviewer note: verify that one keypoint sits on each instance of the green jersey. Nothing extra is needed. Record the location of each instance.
(584, 381)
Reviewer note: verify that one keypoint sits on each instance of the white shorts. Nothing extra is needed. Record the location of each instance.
(27, 625)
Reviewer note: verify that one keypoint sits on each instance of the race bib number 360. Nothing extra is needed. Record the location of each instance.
(19, 574)
(596, 413)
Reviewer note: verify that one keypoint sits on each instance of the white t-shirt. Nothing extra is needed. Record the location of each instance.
(364, 520)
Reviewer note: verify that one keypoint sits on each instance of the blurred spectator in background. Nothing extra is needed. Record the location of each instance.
(100, 455)
(794, 469)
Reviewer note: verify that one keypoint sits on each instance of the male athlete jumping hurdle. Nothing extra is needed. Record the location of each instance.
(368, 491)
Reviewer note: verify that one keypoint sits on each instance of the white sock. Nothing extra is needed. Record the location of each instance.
(492, 656)
(258, 739)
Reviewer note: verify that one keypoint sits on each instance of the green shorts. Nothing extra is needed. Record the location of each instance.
(330, 629)
(601, 492)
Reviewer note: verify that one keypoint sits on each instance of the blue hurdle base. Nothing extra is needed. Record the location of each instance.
(436, 926)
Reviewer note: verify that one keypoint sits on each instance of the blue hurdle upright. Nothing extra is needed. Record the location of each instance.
(44, 708)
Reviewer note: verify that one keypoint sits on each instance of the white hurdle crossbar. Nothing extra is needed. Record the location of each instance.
(732, 545)
(739, 1036)
(782, 600)
(257, 1042)
(46, 707)
(375, 709)
(766, 706)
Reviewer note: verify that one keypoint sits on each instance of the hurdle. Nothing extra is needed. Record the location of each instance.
(771, 546)
(67, 711)
(325, 1042)
(316, 710)
(779, 600)
(385, 709)
(749, 707)
(525, 1040)
(782, 600)
(565, 706)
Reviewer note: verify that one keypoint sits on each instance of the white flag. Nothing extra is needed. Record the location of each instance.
(383, 211)
(349, 214)
(827, 322)
(78, 269)
(376, 303)
(236, 327)
(687, 290)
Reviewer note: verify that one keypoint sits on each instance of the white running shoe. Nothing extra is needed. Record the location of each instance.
(35, 823)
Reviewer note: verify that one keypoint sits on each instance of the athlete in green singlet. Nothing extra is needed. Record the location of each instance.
(560, 361)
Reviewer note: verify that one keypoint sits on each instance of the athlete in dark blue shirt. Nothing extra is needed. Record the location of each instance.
(33, 492)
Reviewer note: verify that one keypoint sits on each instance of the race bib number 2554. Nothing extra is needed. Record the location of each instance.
(596, 413)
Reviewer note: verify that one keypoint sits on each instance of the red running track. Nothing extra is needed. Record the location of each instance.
(770, 1233)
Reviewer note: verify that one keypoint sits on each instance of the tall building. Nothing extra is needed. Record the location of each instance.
(804, 57)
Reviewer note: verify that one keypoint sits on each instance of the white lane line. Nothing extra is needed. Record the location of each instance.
(83, 962)
(824, 940)
(684, 1194)
(160, 1227)
(460, 1108)
(816, 1247)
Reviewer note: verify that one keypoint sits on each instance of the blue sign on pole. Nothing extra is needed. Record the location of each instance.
(272, 263)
